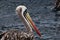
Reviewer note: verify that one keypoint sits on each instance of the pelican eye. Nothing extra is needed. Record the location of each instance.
(25, 12)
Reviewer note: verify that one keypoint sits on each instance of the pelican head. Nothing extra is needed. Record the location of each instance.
(21, 9)
(26, 19)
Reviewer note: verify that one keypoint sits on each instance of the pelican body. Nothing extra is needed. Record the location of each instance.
(21, 35)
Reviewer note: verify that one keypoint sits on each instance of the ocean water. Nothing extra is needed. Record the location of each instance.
(41, 13)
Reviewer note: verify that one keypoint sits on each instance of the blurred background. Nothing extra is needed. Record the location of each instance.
(41, 13)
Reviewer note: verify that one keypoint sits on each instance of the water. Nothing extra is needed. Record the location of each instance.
(40, 11)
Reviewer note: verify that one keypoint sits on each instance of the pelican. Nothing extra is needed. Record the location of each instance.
(21, 11)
